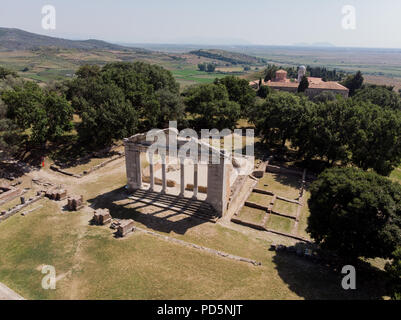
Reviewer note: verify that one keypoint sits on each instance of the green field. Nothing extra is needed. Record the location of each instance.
(188, 77)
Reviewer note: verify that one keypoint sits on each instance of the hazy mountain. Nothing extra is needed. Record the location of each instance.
(16, 39)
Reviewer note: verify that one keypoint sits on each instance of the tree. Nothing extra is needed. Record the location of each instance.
(394, 271)
(324, 97)
(263, 91)
(270, 72)
(239, 91)
(207, 67)
(353, 82)
(303, 85)
(276, 119)
(374, 137)
(211, 107)
(202, 66)
(355, 213)
(210, 67)
(6, 72)
(9, 133)
(113, 118)
(48, 114)
(147, 92)
(379, 95)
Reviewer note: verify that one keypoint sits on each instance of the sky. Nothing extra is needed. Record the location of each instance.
(225, 22)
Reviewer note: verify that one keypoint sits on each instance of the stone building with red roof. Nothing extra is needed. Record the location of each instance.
(316, 85)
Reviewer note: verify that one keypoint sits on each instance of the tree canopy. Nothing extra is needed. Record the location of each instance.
(117, 100)
(353, 82)
(343, 130)
(47, 113)
(380, 96)
(355, 213)
(303, 85)
(239, 91)
(211, 106)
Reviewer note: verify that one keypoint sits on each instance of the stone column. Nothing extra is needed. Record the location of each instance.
(152, 180)
(164, 178)
(216, 187)
(182, 173)
(195, 195)
(133, 167)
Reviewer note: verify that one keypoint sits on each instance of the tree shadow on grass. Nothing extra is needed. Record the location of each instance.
(162, 209)
(289, 180)
(322, 280)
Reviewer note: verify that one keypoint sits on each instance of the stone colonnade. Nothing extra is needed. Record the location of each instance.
(216, 180)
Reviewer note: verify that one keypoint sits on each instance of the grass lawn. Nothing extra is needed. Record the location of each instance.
(281, 224)
(262, 199)
(283, 185)
(285, 207)
(252, 215)
(303, 221)
(91, 264)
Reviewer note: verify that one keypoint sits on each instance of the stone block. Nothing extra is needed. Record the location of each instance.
(102, 217)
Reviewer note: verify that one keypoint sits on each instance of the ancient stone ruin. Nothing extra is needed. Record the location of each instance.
(7, 193)
(218, 178)
(101, 217)
(56, 194)
(74, 203)
(125, 227)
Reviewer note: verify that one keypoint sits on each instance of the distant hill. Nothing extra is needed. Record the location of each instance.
(16, 39)
(227, 56)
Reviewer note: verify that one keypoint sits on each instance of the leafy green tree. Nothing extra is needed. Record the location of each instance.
(53, 119)
(113, 118)
(48, 114)
(6, 72)
(374, 137)
(9, 133)
(147, 92)
(202, 66)
(270, 72)
(23, 102)
(263, 91)
(171, 106)
(211, 107)
(394, 271)
(276, 119)
(380, 96)
(239, 91)
(354, 82)
(324, 97)
(355, 213)
(210, 67)
(303, 85)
